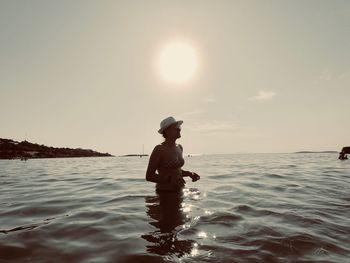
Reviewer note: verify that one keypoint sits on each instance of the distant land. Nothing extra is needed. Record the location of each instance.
(10, 149)
(133, 155)
(317, 152)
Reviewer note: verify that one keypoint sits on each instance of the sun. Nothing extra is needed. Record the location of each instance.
(178, 62)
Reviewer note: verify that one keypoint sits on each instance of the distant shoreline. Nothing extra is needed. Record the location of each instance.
(133, 155)
(317, 152)
(10, 149)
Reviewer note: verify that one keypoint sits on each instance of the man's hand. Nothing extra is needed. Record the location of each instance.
(195, 177)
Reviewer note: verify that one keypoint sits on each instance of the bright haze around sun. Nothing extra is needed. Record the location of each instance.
(177, 62)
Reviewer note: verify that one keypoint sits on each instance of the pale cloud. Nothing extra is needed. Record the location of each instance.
(208, 100)
(345, 75)
(224, 128)
(326, 75)
(214, 126)
(263, 95)
(191, 113)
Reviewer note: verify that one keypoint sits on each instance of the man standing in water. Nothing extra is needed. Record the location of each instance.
(166, 160)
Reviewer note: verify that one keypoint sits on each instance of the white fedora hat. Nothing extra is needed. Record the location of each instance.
(168, 122)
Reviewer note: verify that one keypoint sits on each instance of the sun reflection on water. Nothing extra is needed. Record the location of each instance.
(187, 208)
(202, 234)
(194, 251)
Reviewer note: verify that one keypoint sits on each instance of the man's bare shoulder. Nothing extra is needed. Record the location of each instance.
(158, 148)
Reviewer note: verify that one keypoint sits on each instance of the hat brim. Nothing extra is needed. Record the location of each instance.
(161, 130)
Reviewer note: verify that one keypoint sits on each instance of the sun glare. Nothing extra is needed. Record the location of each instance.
(178, 62)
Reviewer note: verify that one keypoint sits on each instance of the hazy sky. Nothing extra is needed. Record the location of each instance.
(271, 76)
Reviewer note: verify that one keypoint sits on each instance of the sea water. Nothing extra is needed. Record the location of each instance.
(245, 208)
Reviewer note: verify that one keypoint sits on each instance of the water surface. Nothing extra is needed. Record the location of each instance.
(245, 208)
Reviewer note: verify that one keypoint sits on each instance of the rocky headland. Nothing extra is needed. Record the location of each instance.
(10, 149)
